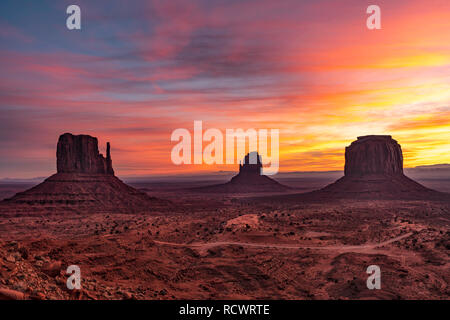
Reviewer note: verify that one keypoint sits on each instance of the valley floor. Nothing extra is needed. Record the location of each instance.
(226, 249)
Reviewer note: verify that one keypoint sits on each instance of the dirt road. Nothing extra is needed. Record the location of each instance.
(338, 248)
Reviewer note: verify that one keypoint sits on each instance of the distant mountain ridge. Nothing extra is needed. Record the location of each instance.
(443, 167)
(433, 167)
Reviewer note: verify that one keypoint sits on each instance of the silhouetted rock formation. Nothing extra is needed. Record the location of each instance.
(252, 164)
(79, 154)
(249, 179)
(84, 182)
(373, 155)
(374, 169)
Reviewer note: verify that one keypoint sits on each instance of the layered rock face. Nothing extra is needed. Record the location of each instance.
(248, 180)
(374, 169)
(79, 154)
(84, 182)
(373, 155)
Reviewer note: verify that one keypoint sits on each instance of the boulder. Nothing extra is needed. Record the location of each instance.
(52, 268)
(9, 294)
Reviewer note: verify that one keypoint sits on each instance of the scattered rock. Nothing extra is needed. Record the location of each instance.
(52, 268)
(9, 294)
(24, 253)
(38, 296)
(163, 292)
(128, 296)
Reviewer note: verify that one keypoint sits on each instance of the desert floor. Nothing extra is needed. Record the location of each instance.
(223, 247)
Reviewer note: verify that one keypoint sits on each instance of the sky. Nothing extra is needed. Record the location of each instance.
(138, 70)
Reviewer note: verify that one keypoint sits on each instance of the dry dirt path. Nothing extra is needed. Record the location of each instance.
(339, 248)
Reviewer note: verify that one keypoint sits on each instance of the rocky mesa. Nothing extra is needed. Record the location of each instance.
(249, 179)
(374, 169)
(79, 154)
(84, 182)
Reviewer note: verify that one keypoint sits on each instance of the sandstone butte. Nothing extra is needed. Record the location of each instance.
(249, 179)
(84, 182)
(374, 169)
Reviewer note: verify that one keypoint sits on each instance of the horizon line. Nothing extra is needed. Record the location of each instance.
(205, 173)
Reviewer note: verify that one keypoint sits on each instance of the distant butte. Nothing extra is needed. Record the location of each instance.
(84, 182)
(373, 155)
(373, 170)
(249, 179)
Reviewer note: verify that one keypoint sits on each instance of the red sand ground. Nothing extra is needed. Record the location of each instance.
(222, 247)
